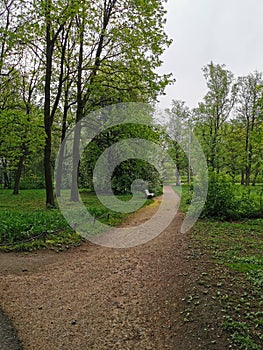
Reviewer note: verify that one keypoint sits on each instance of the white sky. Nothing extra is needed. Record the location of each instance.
(227, 32)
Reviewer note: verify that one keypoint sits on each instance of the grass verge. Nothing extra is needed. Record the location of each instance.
(236, 249)
(25, 223)
(237, 246)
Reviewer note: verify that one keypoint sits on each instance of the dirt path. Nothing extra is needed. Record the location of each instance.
(93, 297)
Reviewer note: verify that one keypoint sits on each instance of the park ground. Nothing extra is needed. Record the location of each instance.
(171, 293)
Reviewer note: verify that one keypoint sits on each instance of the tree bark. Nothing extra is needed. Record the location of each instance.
(74, 194)
(50, 202)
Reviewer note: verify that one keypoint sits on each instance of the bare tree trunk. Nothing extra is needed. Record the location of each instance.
(50, 202)
(248, 166)
(177, 171)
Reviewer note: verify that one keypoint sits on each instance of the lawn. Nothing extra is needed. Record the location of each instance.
(238, 246)
(25, 223)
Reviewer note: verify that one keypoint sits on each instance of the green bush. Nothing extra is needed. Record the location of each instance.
(247, 206)
(31, 184)
(227, 201)
(221, 201)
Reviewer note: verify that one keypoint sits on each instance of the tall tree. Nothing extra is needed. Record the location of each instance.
(179, 121)
(21, 138)
(249, 113)
(56, 18)
(120, 63)
(215, 110)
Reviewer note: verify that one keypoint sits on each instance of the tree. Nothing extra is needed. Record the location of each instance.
(232, 150)
(179, 121)
(126, 171)
(214, 111)
(248, 111)
(120, 64)
(21, 137)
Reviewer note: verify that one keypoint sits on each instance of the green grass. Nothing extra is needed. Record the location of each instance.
(238, 246)
(26, 224)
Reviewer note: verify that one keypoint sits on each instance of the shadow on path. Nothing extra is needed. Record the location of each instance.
(8, 336)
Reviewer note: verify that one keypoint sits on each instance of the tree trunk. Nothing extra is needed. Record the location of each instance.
(50, 202)
(74, 195)
(18, 175)
(82, 98)
(62, 146)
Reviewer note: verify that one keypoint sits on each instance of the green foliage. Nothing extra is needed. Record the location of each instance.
(239, 334)
(221, 202)
(21, 140)
(128, 170)
(227, 201)
(16, 225)
(31, 183)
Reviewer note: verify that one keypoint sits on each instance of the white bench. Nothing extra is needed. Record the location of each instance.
(148, 194)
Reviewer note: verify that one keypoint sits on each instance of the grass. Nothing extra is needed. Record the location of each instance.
(238, 246)
(25, 223)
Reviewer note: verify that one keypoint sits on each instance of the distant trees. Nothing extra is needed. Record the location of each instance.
(126, 171)
(229, 123)
(21, 139)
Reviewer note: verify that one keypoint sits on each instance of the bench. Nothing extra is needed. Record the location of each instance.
(148, 194)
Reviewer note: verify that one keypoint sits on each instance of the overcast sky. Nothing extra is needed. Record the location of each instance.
(224, 31)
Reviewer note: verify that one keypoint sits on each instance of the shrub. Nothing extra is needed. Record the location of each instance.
(221, 199)
(228, 201)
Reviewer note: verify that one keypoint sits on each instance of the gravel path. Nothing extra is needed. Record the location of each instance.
(93, 297)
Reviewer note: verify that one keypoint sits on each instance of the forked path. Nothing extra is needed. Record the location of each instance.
(93, 297)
